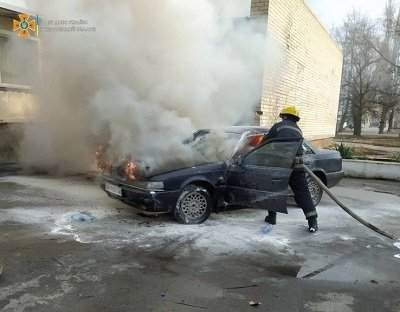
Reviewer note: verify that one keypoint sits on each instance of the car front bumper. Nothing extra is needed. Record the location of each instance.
(147, 200)
(333, 178)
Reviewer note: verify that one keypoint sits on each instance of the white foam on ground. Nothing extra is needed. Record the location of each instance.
(234, 232)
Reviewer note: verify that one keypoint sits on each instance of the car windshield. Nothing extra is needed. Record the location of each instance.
(220, 145)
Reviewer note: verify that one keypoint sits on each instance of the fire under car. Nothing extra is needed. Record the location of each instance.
(252, 175)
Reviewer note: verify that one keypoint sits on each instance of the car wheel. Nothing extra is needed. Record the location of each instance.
(194, 205)
(315, 190)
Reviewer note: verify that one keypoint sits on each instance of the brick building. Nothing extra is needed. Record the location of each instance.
(309, 70)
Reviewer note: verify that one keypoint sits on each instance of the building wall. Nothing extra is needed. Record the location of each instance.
(259, 8)
(309, 71)
(16, 106)
(6, 23)
(17, 72)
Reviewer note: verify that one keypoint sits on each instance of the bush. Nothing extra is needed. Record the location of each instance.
(346, 151)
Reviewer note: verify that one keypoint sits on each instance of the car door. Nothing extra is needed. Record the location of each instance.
(260, 178)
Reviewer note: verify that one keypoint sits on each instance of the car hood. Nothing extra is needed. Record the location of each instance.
(195, 169)
(174, 165)
(144, 171)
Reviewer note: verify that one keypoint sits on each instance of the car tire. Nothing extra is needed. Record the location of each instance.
(316, 191)
(194, 205)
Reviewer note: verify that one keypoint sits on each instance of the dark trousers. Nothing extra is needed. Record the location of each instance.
(302, 196)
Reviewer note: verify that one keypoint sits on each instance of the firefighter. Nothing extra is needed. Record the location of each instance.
(288, 128)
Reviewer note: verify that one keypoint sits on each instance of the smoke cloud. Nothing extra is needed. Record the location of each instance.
(139, 77)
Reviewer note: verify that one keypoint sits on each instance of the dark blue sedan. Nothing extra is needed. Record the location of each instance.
(252, 175)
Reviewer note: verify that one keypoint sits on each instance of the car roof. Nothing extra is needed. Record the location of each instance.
(239, 129)
(257, 129)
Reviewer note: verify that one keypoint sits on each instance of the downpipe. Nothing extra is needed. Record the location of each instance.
(346, 209)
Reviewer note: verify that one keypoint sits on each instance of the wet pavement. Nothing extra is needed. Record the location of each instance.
(65, 246)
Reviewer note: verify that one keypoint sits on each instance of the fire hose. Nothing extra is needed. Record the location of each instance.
(346, 209)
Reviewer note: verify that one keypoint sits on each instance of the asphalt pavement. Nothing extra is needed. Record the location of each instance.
(65, 246)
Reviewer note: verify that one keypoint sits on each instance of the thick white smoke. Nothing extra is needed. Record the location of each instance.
(150, 74)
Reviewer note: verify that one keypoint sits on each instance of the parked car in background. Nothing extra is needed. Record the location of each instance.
(251, 175)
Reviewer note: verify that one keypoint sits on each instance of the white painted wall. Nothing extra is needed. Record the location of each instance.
(371, 169)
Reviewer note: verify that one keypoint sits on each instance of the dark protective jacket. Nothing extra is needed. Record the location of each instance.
(285, 129)
(288, 128)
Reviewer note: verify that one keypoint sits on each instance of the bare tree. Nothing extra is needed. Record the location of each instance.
(387, 70)
(395, 61)
(344, 113)
(358, 89)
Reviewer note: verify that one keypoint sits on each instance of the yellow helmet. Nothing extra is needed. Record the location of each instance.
(290, 110)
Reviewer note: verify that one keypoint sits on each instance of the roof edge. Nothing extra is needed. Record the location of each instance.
(16, 9)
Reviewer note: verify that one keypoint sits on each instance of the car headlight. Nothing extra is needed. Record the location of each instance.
(158, 186)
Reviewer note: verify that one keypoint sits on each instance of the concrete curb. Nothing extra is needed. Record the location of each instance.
(370, 169)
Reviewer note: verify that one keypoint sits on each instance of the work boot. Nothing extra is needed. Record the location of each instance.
(312, 225)
(271, 218)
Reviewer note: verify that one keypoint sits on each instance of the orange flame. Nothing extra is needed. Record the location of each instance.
(130, 169)
(100, 161)
(255, 140)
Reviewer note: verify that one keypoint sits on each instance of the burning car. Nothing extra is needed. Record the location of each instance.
(245, 173)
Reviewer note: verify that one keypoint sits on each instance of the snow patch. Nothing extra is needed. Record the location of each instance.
(126, 266)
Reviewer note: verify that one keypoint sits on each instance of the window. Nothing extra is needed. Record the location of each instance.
(18, 61)
(3, 60)
(274, 154)
(307, 150)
